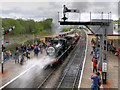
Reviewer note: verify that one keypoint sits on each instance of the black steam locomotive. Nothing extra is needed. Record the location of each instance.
(60, 48)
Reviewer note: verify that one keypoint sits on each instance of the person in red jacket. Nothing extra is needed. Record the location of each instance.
(95, 61)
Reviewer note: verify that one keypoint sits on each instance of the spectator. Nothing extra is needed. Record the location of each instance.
(5, 57)
(109, 48)
(93, 54)
(98, 44)
(25, 48)
(17, 48)
(96, 81)
(36, 43)
(32, 47)
(36, 50)
(92, 41)
(99, 75)
(22, 60)
(10, 54)
(95, 61)
(48, 43)
(22, 49)
(111, 42)
(113, 50)
(17, 56)
(44, 45)
(98, 55)
(93, 46)
(28, 54)
(108, 45)
(29, 48)
(41, 47)
(96, 49)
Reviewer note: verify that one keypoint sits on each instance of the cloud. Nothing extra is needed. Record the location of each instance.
(119, 9)
(39, 10)
(59, 1)
(96, 8)
(30, 9)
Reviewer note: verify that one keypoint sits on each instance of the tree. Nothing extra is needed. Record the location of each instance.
(26, 26)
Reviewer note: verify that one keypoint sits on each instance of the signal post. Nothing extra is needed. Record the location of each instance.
(2, 41)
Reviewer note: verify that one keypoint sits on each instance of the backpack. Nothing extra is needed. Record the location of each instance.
(96, 62)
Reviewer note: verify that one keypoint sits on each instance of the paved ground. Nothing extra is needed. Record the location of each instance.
(12, 70)
(112, 74)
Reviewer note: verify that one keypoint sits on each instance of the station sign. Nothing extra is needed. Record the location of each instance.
(104, 67)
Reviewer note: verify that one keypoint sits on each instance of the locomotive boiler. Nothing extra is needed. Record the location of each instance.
(60, 48)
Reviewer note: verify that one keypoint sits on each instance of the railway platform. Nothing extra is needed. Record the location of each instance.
(13, 70)
(112, 72)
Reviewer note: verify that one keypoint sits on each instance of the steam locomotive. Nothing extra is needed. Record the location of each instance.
(61, 47)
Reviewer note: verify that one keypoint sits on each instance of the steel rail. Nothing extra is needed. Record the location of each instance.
(66, 71)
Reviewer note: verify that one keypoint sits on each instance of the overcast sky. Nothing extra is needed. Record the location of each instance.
(38, 10)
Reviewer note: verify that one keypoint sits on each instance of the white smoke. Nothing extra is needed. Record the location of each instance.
(96, 8)
(56, 28)
(36, 67)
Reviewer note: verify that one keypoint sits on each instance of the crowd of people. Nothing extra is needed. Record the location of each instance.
(95, 53)
(24, 51)
(96, 79)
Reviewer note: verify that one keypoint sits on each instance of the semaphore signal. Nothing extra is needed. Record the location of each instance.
(2, 41)
(6, 32)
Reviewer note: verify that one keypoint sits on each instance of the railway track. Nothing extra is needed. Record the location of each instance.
(72, 72)
(40, 79)
(42, 84)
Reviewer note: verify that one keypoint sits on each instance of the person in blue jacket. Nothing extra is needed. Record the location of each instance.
(96, 81)
(36, 51)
